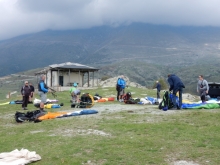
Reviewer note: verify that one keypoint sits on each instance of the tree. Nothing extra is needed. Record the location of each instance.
(103, 78)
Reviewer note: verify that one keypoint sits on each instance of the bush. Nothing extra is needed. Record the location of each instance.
(105, 78)
(162, 83)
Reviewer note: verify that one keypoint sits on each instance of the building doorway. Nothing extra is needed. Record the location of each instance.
(61, 80)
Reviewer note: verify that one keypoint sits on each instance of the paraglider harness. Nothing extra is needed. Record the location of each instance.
(29, 116)
(86, 101)
(166, 102)
(129, 100)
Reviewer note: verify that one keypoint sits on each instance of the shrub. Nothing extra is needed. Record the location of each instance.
(105, 77)
(162, 83)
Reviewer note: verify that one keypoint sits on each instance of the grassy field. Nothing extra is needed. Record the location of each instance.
(134, 134)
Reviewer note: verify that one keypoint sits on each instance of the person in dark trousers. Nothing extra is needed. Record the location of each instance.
(32, 92)
(118, 90)
(25, 92)
(202, 88)
(42, 92)
(158, 86)
(176, 85)
(122, 84)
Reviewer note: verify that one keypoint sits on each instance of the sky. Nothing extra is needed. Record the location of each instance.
(18, 17)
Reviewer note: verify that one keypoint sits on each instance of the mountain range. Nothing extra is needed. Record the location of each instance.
(144, 52)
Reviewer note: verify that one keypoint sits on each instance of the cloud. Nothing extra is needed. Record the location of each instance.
(27, 16)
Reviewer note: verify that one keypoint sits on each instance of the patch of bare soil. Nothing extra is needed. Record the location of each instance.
(36, 131)
(183, 162)
(104, 109)
(74, 132)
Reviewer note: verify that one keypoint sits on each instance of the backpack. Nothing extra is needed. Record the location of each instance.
(20, 117)
(127, 96)
(86, 101)
(129, 100)
(166, 102)
(29, 116)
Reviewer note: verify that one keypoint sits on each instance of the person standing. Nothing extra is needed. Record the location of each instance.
(122, 84)
(176, 85)
(158, 86)
(202, 88)
(25, 92)
(118, 90)
(42, 92)
(32, 92)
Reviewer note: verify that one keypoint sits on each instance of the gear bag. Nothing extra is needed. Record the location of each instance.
(29, 116)
(166, 102)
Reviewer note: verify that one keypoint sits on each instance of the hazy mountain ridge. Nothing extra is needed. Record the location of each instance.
(140, 41)
(143, 52)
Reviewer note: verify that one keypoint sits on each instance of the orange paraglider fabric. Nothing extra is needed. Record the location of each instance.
(101, 100)
(51, 115)
(111, 99)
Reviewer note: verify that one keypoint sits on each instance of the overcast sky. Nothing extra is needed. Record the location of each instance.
(27, 16)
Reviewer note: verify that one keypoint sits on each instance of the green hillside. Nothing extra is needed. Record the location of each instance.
(154, 44)
(146, 73)
(141, 72)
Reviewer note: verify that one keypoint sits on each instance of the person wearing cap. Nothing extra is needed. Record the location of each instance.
(25, 92)
(158, 86)
(74, 92)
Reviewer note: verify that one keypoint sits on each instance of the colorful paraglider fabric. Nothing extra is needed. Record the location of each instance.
(211, 104)
(77, 113)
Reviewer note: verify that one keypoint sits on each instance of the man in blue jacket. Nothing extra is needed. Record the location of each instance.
(42, 91)
(176, 85)
(121, 84)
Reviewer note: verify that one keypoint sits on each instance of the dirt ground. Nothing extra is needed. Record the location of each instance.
(104, 109)
(130, 108)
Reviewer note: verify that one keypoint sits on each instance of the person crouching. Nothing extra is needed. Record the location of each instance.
(75, 93)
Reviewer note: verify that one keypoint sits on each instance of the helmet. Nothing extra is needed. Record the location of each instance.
(75, 84)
